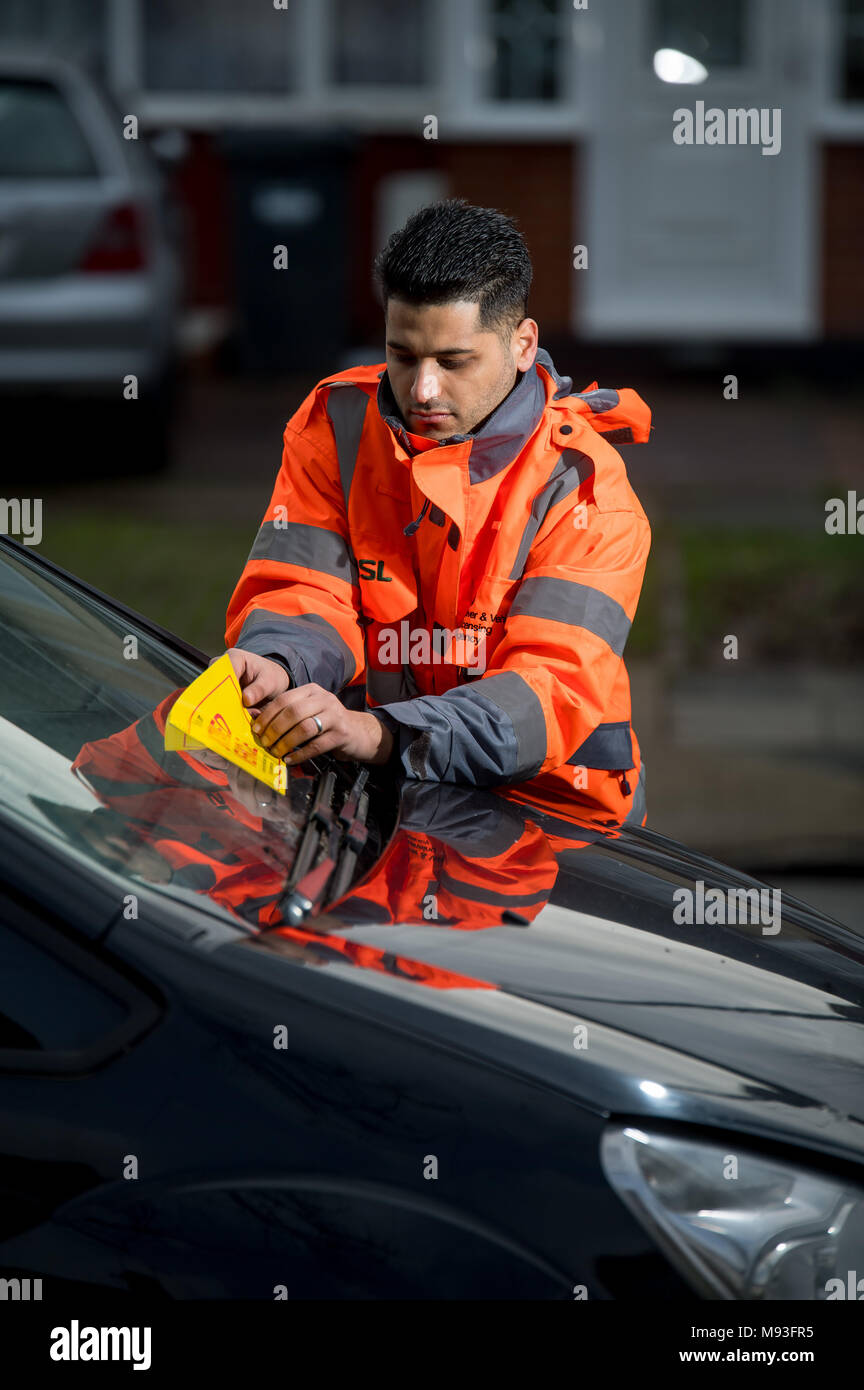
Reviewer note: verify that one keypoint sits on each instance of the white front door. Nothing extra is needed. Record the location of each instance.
(700, 240)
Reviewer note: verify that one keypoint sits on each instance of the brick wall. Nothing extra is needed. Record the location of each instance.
(843, 241)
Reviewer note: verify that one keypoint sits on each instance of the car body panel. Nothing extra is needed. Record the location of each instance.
(367, 1103)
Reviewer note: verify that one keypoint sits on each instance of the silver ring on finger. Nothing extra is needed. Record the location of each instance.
(317, 721)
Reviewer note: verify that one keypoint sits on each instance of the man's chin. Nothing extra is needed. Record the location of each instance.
(439, 435)
(433, 429)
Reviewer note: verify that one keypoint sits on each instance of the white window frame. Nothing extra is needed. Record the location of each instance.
(834, 117)
(454, 93)
(525, 120)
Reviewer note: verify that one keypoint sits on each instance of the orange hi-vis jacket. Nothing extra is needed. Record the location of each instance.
(474, 594)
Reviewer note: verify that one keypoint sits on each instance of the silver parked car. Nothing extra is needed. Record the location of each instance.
(89, 268)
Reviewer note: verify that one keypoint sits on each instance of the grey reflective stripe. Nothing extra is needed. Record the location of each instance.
(321, 655)
(519, 702)
(493, 731)
(636, 814)
(565, 601)
(556, 825)
(385, 686)
(462, 816)
(172, 763)
(411, 686)
(601, 400)
(609, 748)
(106, 786)
(197, 876)
(313, 547)
(475, 893)
(346, 406)
(570, 471)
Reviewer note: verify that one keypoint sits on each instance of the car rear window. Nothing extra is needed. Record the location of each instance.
(39, 135)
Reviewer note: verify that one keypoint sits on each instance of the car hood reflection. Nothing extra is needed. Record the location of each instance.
(490, 891)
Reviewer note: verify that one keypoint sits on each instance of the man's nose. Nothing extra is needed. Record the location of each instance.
(426, 384)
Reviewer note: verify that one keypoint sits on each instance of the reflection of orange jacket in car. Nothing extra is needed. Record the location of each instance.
(422, 879)
(383, 556)
(460, 858)
(466, 859)
(216, 847)
(183, 809)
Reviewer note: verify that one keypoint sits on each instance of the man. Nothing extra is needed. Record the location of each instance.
(452, 555)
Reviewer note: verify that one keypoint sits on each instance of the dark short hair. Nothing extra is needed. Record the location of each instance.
(451, 250)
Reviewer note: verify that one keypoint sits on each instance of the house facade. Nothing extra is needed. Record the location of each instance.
(571, 114)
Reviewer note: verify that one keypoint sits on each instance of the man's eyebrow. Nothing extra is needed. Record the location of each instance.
(441, 352)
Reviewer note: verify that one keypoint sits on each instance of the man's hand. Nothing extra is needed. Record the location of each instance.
(289, 720)
(284, 717)
(260, 678)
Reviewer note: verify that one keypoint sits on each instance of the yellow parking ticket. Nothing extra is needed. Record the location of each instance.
(210, 714)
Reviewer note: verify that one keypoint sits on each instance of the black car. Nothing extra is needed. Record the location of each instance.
(378, 1039)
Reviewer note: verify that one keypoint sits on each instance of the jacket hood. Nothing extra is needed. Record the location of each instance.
(621, 416)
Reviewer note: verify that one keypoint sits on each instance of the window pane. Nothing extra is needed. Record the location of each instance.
(218, 46)
(525, 35)
(714, 33)
(39, 137)
(852, 75)
(384, 42)
(76, 28)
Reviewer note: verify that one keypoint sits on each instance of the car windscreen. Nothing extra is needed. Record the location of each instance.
(39, 135)
(85, 692)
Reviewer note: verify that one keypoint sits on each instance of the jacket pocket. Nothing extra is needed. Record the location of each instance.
(388, 584)
(486, 617)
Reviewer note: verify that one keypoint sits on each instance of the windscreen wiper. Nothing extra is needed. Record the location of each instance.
(329, 848)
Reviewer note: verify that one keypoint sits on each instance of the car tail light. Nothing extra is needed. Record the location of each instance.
(119, 245)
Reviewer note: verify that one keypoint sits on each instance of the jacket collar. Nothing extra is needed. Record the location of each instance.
(503, 434)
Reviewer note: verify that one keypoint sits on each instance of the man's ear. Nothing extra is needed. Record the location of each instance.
(524, 344)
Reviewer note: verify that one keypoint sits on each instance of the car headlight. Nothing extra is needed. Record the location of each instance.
(734, 1224)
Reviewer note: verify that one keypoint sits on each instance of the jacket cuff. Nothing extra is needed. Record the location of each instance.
(411, 740)
(401, 737)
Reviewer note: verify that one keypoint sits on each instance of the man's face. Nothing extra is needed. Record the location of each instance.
(446, 374)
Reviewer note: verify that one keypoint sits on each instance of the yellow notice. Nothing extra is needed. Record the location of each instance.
(210, 714)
